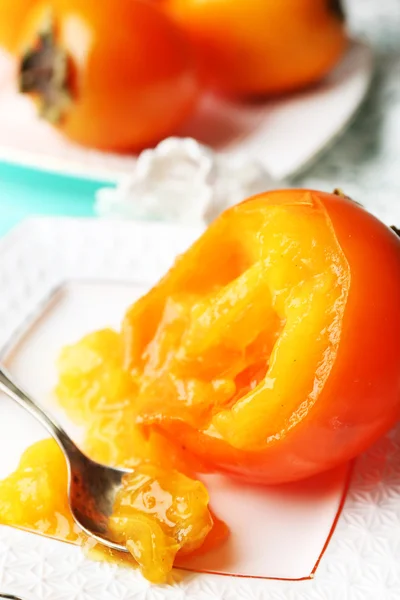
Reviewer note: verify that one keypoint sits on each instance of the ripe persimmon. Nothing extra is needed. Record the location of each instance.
(111, 75)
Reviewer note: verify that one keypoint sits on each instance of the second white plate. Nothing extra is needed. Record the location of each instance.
(285, 134)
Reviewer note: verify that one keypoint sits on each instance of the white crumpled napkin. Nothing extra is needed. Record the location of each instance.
(183, 181)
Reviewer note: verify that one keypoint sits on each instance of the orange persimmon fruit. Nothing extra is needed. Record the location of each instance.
(258, 47)
(271, 349)
(110, 75)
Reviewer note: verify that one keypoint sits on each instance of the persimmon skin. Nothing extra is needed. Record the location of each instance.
(132, 74)
(360, 399)
(263, 47)
(12, 14)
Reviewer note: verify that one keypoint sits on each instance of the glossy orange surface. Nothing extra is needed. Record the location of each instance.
(131, 76)
(35, 496)
(271, 349)
(12, 14)
(97, 393)
(158, 513)
(253, 47)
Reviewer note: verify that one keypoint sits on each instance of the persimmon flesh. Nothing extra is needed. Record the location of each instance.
(158, 513)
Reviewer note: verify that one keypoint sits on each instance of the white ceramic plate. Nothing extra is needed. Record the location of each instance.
(285, 134)
(62, 278)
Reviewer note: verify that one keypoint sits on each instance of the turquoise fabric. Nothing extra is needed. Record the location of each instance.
(25, 192)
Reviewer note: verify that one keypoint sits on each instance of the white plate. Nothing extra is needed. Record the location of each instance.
(285, 134)
(61, 278)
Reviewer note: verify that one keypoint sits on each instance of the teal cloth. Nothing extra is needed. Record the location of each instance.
(25, 192)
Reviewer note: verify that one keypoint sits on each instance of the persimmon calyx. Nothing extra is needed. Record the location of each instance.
(336, 7)
(44, 72)
(395, 229)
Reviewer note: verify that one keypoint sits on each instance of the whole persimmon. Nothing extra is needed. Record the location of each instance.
(110, 75)
(12, 14)
(258, 47)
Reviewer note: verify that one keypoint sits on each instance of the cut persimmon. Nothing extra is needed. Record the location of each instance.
(271, 348)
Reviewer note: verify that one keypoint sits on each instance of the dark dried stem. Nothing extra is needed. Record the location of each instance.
(44, 73)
